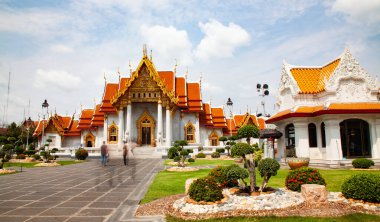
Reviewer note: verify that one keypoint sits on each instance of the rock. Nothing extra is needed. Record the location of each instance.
(30, 159)
(314, 193)
(187, 184)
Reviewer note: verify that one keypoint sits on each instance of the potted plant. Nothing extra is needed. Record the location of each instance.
(293, 161)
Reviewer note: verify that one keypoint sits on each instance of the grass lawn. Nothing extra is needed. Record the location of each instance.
(206, 162)
(347, 218)
(16, 166)
(170, 183)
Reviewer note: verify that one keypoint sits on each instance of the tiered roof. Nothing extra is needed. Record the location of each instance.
(64, 125)
(240, 120)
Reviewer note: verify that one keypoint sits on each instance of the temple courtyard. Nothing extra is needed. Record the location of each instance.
(78, 192)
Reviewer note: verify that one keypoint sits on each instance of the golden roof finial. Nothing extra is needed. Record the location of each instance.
(118, 72)
(81, 106)
(210, 100)
(145, 53)
(186, 73)
(104, 76)
(130, 68)
(200, 80)
(175, 67)
(95, 102)
(151, 55)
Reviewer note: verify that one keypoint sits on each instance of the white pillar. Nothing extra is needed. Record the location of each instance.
(197, 130)
(375, 129)
(301, 139)
(159, 123)
(105, 130)
(121, 128)
(333, 142)
(129, 120)
(168, 127)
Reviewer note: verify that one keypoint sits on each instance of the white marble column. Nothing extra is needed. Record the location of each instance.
(168, 126)
(105, 130)
(159, 123)
(197, 131)
(333, 142)
(301, 139)
(375, 130)
(129, 120)
(121, 129)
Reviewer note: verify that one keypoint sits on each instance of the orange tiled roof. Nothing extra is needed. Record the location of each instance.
(123, 83)
(238, 119)
(194, 97)
(231, 129)
(218, 118)
(311, 80)
(180, 90)
(63, 125)
(85, 119)
(333, 108)
(168, 78)
(97, 118)
(109, 91)
(205, 118)
(73, 129)
(261, 123)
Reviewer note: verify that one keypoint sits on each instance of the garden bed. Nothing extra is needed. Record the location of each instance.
(182, 169)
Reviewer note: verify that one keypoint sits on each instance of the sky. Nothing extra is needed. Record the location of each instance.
(60, 50)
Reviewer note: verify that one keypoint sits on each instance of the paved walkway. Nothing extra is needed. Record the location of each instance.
(79, 192)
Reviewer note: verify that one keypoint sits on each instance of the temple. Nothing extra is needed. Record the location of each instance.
(329, 113)
(151, 108)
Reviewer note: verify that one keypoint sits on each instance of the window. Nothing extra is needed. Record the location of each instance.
(323, 134)
(112, 133)
(189, 132)
(290, 136)
(214, 139)
(312, 135)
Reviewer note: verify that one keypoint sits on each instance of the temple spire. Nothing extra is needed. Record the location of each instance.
(105, 79)
(130, 68)
(151, 55)
(186, 73)
(175, 67)
(145, 52)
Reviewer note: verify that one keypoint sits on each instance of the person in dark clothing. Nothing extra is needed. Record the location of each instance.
(125, 153)
(104, 153)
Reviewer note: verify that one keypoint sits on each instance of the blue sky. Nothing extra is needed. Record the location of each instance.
(60, 50)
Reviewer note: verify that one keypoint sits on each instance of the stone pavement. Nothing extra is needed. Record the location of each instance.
(79, 192)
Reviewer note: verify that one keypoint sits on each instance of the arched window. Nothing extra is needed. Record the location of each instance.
(312, 135)
(112, 133)
(214, 139)
(289, 136)
(190, 132)
(323, 134)
(355, 138)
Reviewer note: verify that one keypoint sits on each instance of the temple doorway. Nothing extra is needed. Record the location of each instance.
(89, 140)
(145, 125)
(355, 138)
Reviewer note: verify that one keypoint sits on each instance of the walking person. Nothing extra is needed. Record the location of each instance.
(125, 153)
(104, 153)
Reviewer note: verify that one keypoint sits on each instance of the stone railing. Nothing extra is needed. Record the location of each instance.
(206, 149)
(70, 151)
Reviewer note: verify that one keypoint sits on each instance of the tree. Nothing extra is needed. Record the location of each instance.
(248, 131)
(4, 152)
(245, 151)
(268, 167)
(178, 150)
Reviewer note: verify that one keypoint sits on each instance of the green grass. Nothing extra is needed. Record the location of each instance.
(16, 166)
(206, 162)
(170, 183)
(69, 162)
(347, 218)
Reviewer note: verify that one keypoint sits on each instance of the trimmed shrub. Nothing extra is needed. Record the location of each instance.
(190, 160)
(172, 152)
(241, 149)
(215, 155)
(220, 150)
(200, 155)
(362, 187)
(29, 153)
(200, 148)
(205, 189)
(36, 157)
(234, 172)
(190, 150)
(20, 156)
(176, 159)
(219, 173)
(268, 167)
(81, 154)
(362, 163)
(19, 150)
(303, 175)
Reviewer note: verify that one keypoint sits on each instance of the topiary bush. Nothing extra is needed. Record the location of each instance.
(29, 153)
(176, 159)
(36, 157)
(205, 189)
(362, 163)
(81, 154)
(220, 150)
(200, 155)
(20, 156)
(267, 167)
(173, 152)
(219, 173)
(190, 160)
(235, 173)
(215, 155)
(362, 187)
(303, 175)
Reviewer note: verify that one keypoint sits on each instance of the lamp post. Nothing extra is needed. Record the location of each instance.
(45, 106)
(263, 91)
(229, 105)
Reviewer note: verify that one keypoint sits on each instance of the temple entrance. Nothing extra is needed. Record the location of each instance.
(145, 125)
(354, 134)
(89, 140)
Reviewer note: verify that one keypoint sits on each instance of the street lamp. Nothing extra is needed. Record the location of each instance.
(263, 91)
(229, 105)
(45, 106)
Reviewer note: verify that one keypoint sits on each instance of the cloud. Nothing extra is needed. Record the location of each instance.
(168, 42)
(60, 48)
(365, 12)
(56, 78)
(220, 41)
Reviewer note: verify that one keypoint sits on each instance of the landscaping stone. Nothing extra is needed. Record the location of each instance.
(314, 193)
(188, 183)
